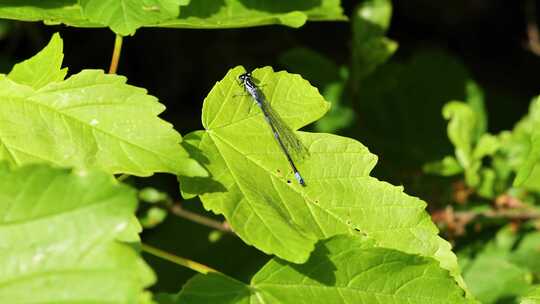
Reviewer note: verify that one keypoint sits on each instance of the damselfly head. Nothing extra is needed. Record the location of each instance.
(244, 76)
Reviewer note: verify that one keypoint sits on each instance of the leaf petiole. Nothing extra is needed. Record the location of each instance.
(176, 259)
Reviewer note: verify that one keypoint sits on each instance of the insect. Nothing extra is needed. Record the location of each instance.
(288, 142)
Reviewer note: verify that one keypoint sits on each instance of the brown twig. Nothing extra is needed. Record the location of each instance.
(457, 220)
(533, 34)
(512, 214)
(177, 210)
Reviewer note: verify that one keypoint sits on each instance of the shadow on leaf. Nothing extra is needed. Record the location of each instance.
(319, 267)
(38, 3)
(198, 185)
(280, 6)
(201, 9)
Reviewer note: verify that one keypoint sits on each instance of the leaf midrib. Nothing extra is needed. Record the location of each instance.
(337, 218)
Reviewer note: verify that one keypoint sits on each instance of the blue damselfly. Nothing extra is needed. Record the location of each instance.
(288, 142)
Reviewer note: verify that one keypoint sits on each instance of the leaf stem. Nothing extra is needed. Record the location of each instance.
(176, 259)
(116, 54)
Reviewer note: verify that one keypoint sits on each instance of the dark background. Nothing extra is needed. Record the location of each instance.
(489, 37)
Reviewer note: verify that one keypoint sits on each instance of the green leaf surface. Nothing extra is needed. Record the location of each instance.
(532, 160)
(254, 188)
(448, 166)
(89, 120)
(43, 68)
(515, 158)
(211, 14)
(475, 99)
(487, 187)
(461, 130)
(50, 11)
(58, 238)
(126, 16)
(491, 278)
(487, 145)
(153, 217)
(504, 268)
(343, 269)
(527, 253)
(211, 288)
(533, 297)
(370, 47)
(153, 196)
(92, 119)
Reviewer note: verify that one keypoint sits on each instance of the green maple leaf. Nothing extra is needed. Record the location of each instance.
(125, 16)
(237, 13)
(533, 297)
(42, 69)
(58, 238)
(90, 119)
(527, 173)
(343, 269)
(50, 12)
(253, 187)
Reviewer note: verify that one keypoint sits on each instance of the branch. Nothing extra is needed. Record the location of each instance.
(533, 34)
(457, 220)
(176, 209)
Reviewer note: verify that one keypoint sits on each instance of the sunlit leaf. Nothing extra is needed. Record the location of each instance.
(125, 16)
(448, 166)
(475, 99)
(463, 129)
(50, 11)
(343, 269)
(499, 272)
(238, 13)
(42, 69)
(89, 120)
(533, 297)
(254, 188)
(58, 238)
(493, 277)
(532, 161)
